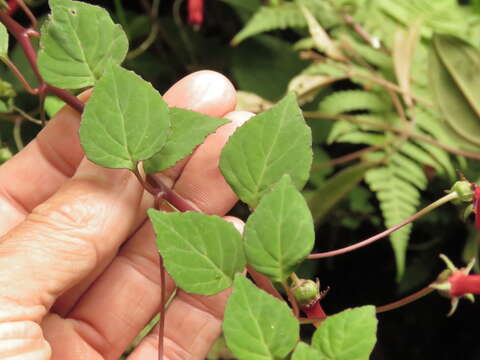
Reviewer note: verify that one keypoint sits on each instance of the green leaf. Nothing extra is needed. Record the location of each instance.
(335, 189)
(258, 326)
(3, 41)
(399, 199)
(269, 145)
(201, 252)
(353, 100)
(306, 352)
(462, 61)
(459, 115)
(79, 42)
(188, 130)
(125, 120)
(280, 233)
(286, 15)
(349, 335)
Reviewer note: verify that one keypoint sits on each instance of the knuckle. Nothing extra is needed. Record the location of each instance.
(23, 338)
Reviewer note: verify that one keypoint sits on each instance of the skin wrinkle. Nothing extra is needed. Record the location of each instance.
(77, 345)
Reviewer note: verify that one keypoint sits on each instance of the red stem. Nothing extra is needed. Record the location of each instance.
(464, 284)
(264, 283)
(406, 300)
(163, 300)
(22, 35)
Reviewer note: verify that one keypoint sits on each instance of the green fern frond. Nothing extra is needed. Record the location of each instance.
(421, 156)
(285, 16)
(441, 15)
(399, 199)
(368, 53)
(326, 68)
(409, 170)
(362, 137)
(353, 100)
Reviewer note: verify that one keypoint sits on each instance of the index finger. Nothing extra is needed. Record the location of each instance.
(38, 171)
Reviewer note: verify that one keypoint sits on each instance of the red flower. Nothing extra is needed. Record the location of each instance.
(13, 6)
(195, 12)
(462, 284)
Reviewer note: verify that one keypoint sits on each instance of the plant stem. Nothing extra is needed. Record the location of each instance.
(296, 280)
(264, 283)
(27, 116)
(13, 68)
(349, 157)
(443, 200)
(353, 119)
(17, 134)
(407, 300)
(291, 299)
(163, 299)
(23, 38)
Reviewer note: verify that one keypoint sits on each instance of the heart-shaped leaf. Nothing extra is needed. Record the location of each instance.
(201, 252)
(258, 326)
(349, 335)
(125, 120)
(79, 42)
(280, 233)
(188, 130)
(269, 145)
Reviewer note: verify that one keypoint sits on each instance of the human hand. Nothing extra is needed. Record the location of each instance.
(79, 270)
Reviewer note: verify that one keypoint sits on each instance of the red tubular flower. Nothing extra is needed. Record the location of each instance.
(308, 295)
(314, 310)
(456, 283)
(13, 6)
(195, 12)
(462, 284)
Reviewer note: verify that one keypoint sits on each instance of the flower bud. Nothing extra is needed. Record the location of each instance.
(307, 292)
(464, 190)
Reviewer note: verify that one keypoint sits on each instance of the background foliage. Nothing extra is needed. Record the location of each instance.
(367, 75)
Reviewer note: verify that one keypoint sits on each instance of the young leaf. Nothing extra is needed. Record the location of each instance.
(280, 233)
(201, 252)
(256, 325)
(188, 130)
(125, 120)
(349, 335)
(3, 41)
(269, 145)
(306, 352)
(403, 55)
(79, 42)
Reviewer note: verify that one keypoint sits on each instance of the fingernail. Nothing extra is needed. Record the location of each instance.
(89, 170)
(207, 92)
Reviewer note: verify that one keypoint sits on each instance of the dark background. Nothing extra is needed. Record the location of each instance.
(420, 330)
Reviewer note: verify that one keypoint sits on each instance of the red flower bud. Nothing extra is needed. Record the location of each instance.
(12, 6)
(462, 284)
(195, 12)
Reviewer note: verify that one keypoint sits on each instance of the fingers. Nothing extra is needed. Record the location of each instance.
(209, 93)
(212, 194)
(65, 238)
(35, 173)
(193, 323)
(108, 305)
